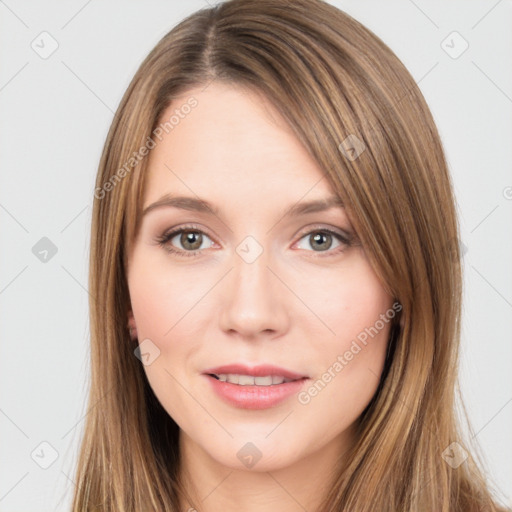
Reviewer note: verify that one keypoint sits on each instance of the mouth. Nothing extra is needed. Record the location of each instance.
(257, 387)
(251, 380)
(247, 375)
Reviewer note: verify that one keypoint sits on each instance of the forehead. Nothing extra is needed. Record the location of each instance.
(232, 146)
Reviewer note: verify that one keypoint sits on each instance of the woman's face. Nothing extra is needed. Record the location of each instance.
(249, 284)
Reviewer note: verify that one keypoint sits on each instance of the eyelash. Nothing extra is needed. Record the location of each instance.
(167, 237)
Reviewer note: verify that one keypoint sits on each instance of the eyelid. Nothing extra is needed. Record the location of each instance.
(345, 238)
(186, 227)
(346, 235)
(170, 233)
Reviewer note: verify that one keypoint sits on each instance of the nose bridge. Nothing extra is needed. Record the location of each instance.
(255, 303)
(251, 271)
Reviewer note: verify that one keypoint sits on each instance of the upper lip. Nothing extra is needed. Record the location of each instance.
(256, 371)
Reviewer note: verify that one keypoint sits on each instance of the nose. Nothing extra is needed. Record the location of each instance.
(255, 300)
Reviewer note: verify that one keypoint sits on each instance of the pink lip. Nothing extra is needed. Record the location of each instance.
(256, 371)
(255, 397)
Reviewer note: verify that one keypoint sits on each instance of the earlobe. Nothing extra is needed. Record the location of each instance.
(132, 326)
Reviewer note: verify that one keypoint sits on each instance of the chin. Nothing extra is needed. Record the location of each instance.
(258, 456)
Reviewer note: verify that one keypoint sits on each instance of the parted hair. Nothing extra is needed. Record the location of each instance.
(334, 81)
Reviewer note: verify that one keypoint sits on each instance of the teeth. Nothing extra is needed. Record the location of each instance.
(245, 380)
(249, 380)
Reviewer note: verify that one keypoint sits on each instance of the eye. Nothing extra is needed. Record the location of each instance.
(190, 238)
(321, 240)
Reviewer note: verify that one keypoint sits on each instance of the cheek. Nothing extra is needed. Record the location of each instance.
(161, 301)
(349, 300)
(160, 296)
(164, 301)
(348, 365)
(359, 315)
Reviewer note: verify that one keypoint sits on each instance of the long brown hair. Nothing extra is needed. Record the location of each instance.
(339, 87)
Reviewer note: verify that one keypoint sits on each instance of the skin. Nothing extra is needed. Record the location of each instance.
(299, 305)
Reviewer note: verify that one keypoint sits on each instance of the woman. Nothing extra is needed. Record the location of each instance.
(301, 353)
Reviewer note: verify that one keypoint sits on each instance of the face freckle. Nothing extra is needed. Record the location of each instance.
(261, 291)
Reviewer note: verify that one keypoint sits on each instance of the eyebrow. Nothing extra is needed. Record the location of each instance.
(203, 206)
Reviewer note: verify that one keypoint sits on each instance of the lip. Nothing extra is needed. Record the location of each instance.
(257, 371)
(255, 397)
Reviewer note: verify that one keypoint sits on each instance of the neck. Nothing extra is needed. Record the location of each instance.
(301, 486)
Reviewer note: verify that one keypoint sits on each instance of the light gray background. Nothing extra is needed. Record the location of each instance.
(55, 116)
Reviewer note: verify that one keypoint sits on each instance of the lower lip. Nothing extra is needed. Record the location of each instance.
(255, 397)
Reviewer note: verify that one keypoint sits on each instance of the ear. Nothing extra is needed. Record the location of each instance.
(132, 326)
